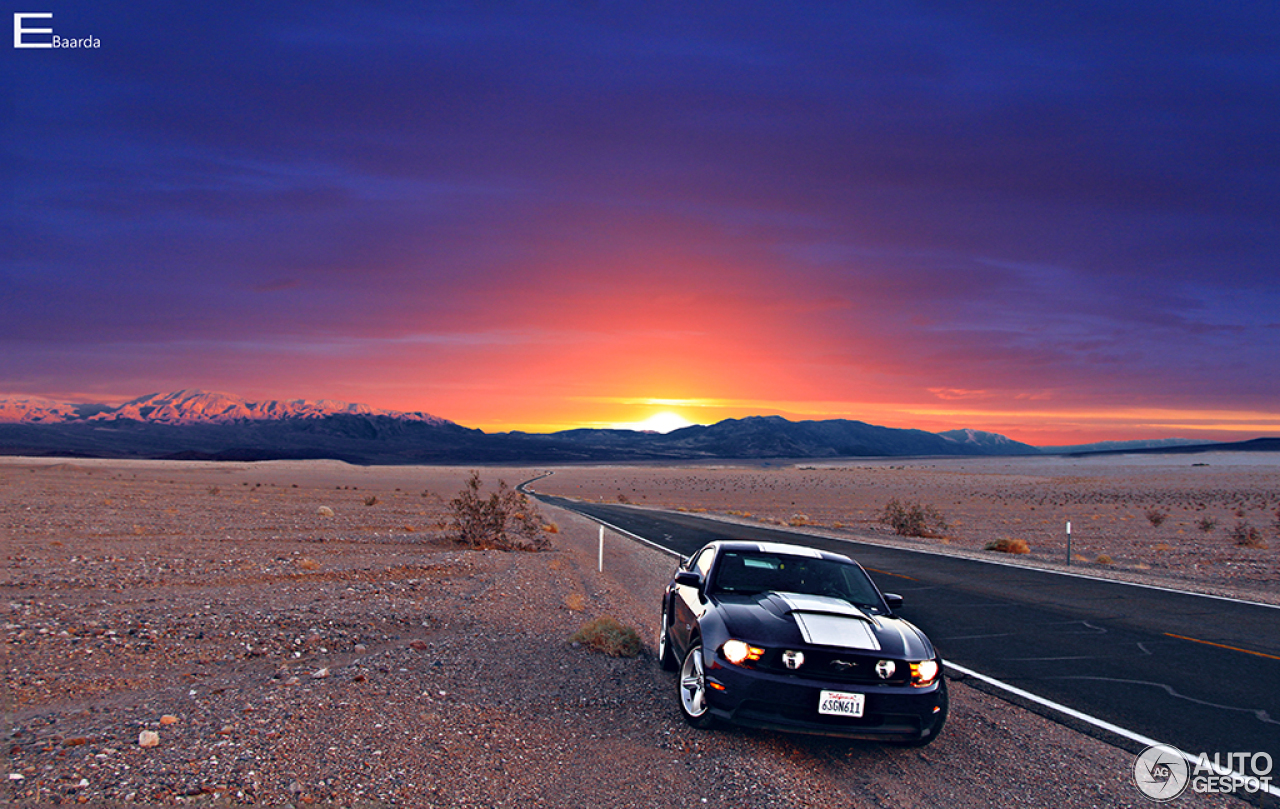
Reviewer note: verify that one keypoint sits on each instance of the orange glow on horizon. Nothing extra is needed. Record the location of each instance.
(1038, 428)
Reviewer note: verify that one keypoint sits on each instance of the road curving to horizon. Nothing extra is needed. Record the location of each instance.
(1193, 671)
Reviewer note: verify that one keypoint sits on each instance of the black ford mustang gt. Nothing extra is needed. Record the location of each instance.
(789, 638)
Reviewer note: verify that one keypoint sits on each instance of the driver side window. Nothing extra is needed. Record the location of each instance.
(702, 564)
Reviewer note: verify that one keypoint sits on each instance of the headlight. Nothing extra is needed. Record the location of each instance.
(924, 672)
(735, 651)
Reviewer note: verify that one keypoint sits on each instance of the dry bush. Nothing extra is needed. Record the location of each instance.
(307, 563)
(1103, 559)
(1156, 517)
(576, 602)
(1009, 546)
(913, 519)
(606, 634)
(371, 500)
(799, 520)
(325, 511)
(507, 520)
(1207, 524)
(1246, 536)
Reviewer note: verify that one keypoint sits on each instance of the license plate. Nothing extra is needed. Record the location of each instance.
(839, 703)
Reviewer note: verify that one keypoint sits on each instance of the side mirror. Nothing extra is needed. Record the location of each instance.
(893, 600)
(688, 578)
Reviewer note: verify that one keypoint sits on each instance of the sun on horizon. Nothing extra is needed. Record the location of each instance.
(664, 422)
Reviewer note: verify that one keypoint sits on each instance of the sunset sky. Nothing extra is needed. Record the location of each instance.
(1056, 221)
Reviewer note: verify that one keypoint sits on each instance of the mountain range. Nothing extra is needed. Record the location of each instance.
(198, 425)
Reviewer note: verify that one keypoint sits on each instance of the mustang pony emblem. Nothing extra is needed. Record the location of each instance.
(793, 659)
(886, 668)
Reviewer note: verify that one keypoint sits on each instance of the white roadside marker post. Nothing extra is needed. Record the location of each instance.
(600, 566)
(1068, 543)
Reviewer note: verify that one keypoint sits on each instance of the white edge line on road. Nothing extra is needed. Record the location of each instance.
(1083, 717)
(630, 535)
(608, 525)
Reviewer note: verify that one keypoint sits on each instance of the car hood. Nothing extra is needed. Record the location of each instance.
(779, 618)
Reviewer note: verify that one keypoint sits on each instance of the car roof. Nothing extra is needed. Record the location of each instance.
(780, 548)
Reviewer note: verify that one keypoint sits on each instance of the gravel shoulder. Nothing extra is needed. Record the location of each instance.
(285, 657)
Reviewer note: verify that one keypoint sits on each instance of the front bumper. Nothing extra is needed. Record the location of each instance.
(789, 703)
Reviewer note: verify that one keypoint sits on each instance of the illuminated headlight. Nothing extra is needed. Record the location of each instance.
(735, 651)
(924, 672)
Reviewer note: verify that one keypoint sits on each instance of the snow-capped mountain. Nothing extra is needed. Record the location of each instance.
(36, 411)
(988, 443)
(191, 407)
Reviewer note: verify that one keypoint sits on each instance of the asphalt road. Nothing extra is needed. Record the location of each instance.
(1200, 673)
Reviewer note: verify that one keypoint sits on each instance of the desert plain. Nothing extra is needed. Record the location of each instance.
(308, 634)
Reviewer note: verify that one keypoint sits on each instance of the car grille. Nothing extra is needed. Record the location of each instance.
(841, 667)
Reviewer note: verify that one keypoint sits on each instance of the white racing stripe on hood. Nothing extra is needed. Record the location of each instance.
(831, 622)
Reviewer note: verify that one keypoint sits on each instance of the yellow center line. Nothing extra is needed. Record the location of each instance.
(887, 573)
(1222, 646)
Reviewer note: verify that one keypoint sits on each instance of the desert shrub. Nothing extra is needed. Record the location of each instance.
(1009, 546)
(1246, 536)
(913, 519)
(1207, 524)
(606, 634)
(371, 500)
(799, 520)
(1103, 559)
(325, 511)
(506, 520)
(307, 563)
(1156, 517)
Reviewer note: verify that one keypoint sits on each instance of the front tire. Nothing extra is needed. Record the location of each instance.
(693, 690)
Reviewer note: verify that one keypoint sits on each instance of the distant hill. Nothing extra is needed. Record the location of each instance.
(1254, 445)
(1124, 446)
(199, 425)
(776, 437)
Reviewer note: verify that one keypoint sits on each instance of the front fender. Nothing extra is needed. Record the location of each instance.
(712, 633)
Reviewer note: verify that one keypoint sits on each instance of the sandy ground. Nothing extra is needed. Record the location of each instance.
(285, 656)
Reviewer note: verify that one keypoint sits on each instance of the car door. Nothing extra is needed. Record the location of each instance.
(688, 601)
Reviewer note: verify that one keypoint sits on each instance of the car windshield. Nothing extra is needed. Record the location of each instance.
(751, 572)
